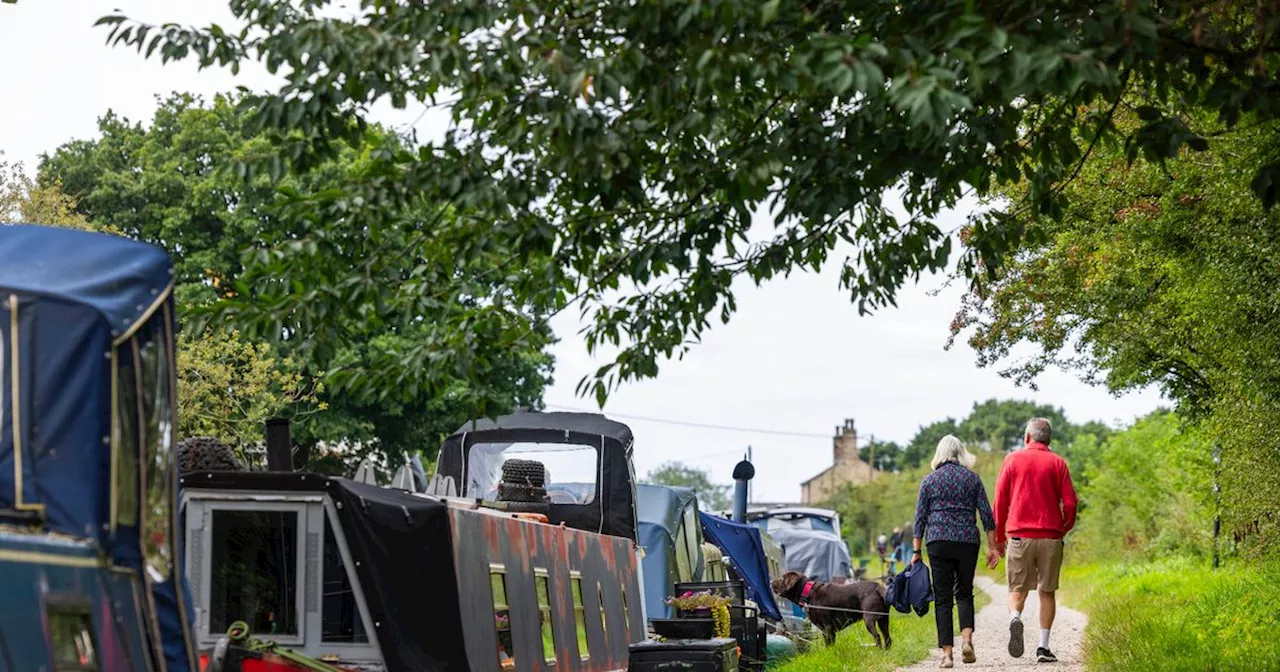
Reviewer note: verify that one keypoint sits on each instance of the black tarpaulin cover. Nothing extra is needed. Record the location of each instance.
(405, 554)
(613, 511)
(594, 424)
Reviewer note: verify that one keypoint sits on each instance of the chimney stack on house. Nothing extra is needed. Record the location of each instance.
(845, 443)
(847, 467)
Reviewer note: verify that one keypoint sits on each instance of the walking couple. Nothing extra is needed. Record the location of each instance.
(1035, 508)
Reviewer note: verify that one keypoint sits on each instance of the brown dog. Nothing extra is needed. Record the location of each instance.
(853, 601)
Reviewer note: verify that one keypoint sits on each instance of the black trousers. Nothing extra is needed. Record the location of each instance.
(953, 564)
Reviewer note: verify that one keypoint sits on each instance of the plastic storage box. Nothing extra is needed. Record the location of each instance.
(685, 655)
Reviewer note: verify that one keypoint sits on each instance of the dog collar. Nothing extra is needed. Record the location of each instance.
(804, 593)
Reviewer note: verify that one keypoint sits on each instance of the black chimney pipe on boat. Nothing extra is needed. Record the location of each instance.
(279, 445)
(742, 475)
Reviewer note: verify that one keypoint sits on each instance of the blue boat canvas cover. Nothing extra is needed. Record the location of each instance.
(819, 555)
(76, 308)
(742, 543)
(659, 510)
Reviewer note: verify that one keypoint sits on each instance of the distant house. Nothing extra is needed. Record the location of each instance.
(848, 467)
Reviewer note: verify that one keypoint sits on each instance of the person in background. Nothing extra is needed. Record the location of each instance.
(951, 501)
(906, 541)
(1035, 509)
(895, 554)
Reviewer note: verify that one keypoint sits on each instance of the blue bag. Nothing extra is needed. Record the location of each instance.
(911, 590)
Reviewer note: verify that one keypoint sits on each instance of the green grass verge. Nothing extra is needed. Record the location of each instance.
(914, 638)
(1178, 615)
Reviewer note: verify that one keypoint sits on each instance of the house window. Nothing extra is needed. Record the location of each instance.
(340, 615)
(71, 634)
(579, 615)
(502, 616)
(542, 586)
(254, 571)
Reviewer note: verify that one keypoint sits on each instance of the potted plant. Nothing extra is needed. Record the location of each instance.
(704, 604)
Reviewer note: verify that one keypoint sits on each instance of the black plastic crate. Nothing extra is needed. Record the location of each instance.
(684, 655)
(734, 590)
(744, 627)
(684, 628)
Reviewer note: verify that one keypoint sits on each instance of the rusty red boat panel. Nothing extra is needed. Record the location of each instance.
(525, 553)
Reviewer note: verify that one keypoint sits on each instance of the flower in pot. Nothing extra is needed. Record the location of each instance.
(705, 603)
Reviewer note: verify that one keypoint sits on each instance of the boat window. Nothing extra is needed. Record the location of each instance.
(799, 521)
(125, 439)
(542, 585)
(626, 612)
(693, 538)
(684, 561)
(502, 616)
(340, 615)
(254, 568)
(580, 616)
(569, 470)
(604, 620)
(157, 433)
(71, 633)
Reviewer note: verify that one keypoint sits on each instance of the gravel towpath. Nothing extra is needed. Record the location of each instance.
(991, 636)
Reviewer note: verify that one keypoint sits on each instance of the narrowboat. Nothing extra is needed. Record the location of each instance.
(365, 577)
(288, 571)
(89, 553)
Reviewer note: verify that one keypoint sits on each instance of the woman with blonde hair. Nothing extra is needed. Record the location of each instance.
(950, 502)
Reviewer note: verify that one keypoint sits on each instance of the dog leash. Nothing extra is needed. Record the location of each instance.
(807, 607)
(995, 582)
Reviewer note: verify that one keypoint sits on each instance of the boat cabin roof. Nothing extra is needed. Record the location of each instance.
(118, 278)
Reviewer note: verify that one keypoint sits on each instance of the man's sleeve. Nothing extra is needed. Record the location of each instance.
(1069, 500)
(1002, 501)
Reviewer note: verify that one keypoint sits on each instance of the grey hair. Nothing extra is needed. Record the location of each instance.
(951, 449)
(1040, 430)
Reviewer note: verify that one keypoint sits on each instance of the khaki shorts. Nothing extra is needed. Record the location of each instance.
(1033, 564)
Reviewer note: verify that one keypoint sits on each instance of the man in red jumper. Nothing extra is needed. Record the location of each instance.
(1035, 508)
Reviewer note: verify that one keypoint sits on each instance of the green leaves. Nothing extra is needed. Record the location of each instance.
(1156, 275)
(1148, 113)
(769, 11)
(1267, 185)
(335, 266)
(622, 148)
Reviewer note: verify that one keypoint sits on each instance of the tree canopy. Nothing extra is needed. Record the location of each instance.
(167, 183)
(997, 425)
(621, 149)
(1160, 276)
(227, 387)
(711, 496)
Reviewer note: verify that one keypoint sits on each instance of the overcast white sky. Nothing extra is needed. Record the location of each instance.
(797, 358)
